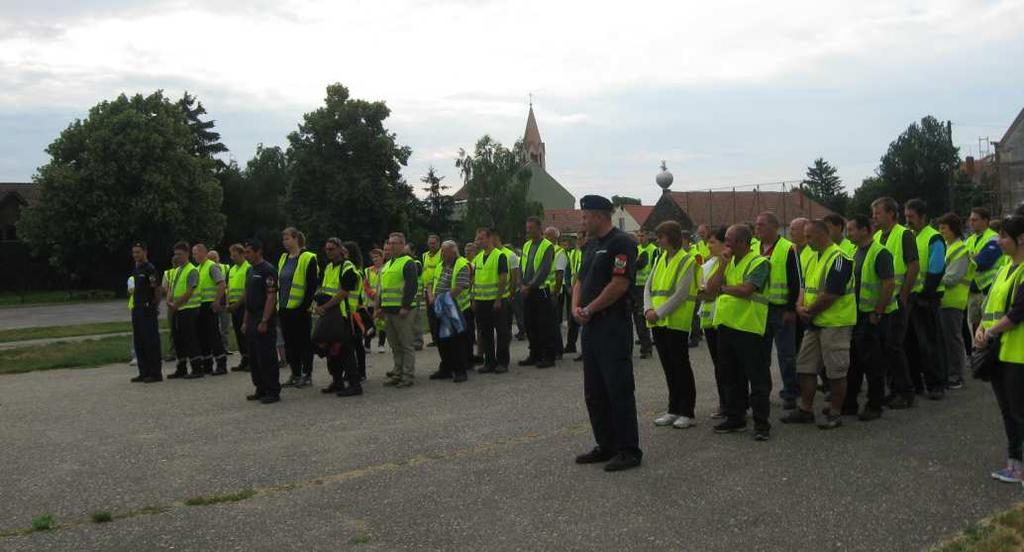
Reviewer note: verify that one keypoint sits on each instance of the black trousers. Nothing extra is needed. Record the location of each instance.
(712, 340)
(572, 330)
(608, 384)
(296, 329)
(897, 370)
(264, 369)
(748, 381)
(453, 353)
(186, 342)
(867, 361)
(639, 322)
(470, 340)
(146, 337)
(540, 325)
(1008, 385)
(237, 317)
(344, 366)
(432, 323)
(925, 355)
(674, 352)
(495, 333)
(211, 346)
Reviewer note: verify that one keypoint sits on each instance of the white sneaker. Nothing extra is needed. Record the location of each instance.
(684, 422)
(134, 362)
(380, 348)
(665, 419)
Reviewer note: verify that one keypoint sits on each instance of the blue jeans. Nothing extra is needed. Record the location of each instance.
(784, 337)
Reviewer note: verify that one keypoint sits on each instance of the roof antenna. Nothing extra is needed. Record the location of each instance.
(531, 100)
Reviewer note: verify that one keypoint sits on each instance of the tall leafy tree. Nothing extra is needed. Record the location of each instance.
(126, 172)
(497, 183)
(920, 163)
(870, 189)
(345, 169)
(205, 141)
(437, 208)
(254, 200)
(823, 184)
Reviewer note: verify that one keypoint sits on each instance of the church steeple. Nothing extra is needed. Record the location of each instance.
(531, 140)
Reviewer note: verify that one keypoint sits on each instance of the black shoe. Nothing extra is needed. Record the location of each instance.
(439, 375)
(350, 391)
(548, 363)
(292, 382)
(936, 395)
(789, 404)
(831, 422)
(798, 416)
(332, 388)
(645, 354)
(177, 375)
(152, 379)
(763, 434)
(731, 426)
(579, 358)
(304, 381)
(460, 377)
(193, 375)
(240, 368)
(869, 414)
(137, 379)
(596, 456)
(622, 461)
(571, 349)
(478, 360)
(253, 397)
(527, 362)
(485, 369)
(901, 402)
(269, 399)
(220, 371)
(501, 369)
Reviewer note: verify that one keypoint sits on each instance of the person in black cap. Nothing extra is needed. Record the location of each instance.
(145, 310)
(260, 324)
(600, 304)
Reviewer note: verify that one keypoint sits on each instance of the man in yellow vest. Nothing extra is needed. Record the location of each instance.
(211, 293)
(983, 245)
(646, 254)
(537, 262)
(166, 285)
(875, 287)
(492, 279)
(223, 317)
(828, 305)
(183, 305)
(430, 260)
(572, 256)
(557, 283)
(238, 273)
(900, 242)
(396, 303)
(782, 292)
(804, 255)
(339, 291)
(836, 232)
(925, 355)
(741, 316)
(957, 281)
(452, 278)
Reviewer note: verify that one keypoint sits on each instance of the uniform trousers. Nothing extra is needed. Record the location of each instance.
(210, 345)
(608, 384)
(186, 342)
(146, 338)
(237, 317)
(264, 368)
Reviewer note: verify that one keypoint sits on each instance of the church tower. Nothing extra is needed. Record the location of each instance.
(531, 141)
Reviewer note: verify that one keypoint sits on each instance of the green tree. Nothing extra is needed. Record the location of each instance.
(870, 189)
(497, 183)
(619, 201)
(205, 141)
(920, 163)
(823, 185)
(254, 200)
(126, 172)
(436, 210)
(345, 170)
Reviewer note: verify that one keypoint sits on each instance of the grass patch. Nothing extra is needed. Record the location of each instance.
(359, 539)
(1003, 532)
(75, 330)
(10, 299)
(42, 523)
(83, 354)
(101, 517)
(219, 499)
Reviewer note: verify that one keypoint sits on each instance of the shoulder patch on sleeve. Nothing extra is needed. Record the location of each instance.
(620, 264)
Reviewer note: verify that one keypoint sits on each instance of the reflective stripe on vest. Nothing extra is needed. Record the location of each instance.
(895, 246)
(297, 291)
(744, 314)
(842, 311)
(870, 285)
(236, 276)
(984, 278)
(665, 278)
(207, 287)
(485, 277)
(430, 262)
(392, 282)
(778, 281)
(923, 240)
(956, 295)
(179, 287)
(642, 274)
(464, 296)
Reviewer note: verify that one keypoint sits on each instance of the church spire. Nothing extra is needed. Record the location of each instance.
(532, 143)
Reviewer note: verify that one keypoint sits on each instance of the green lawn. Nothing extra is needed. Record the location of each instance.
(53, 332)
(1003, 532)
(11, 299)
(83, 354)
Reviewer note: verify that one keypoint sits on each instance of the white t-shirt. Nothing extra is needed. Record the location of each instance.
(513, 261)
(131, 285)
(561, 261)
(706, 271)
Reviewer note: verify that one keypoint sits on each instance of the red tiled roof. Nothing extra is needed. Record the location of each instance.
(566, 220)
(723, 208)
(639, 212)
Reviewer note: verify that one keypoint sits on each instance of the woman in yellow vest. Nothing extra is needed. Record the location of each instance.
(715, 242)
(669, 299)
(371, 284)
(298, 280)
(1003, 313)
(952, 307)
(339, 294)
(237, 274)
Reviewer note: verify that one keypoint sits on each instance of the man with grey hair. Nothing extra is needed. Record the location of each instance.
(782, 293)
(396, 303)
(452, 277)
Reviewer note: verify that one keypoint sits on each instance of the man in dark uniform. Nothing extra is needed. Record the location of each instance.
(261, 325)
(600, 304)
(145, 310)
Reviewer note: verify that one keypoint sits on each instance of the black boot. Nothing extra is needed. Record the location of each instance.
(222, 366)
(197, 370)
(180, 371)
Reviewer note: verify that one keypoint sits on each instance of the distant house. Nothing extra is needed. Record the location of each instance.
(631, 218)
(543, 188)
(14, 196)
(723, 208)
(568, 221)
(1009, 165)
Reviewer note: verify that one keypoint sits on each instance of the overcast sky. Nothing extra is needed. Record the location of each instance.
(729, 93)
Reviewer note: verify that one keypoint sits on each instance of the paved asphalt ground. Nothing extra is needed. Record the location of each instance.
(484, 465)
(64, 315)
